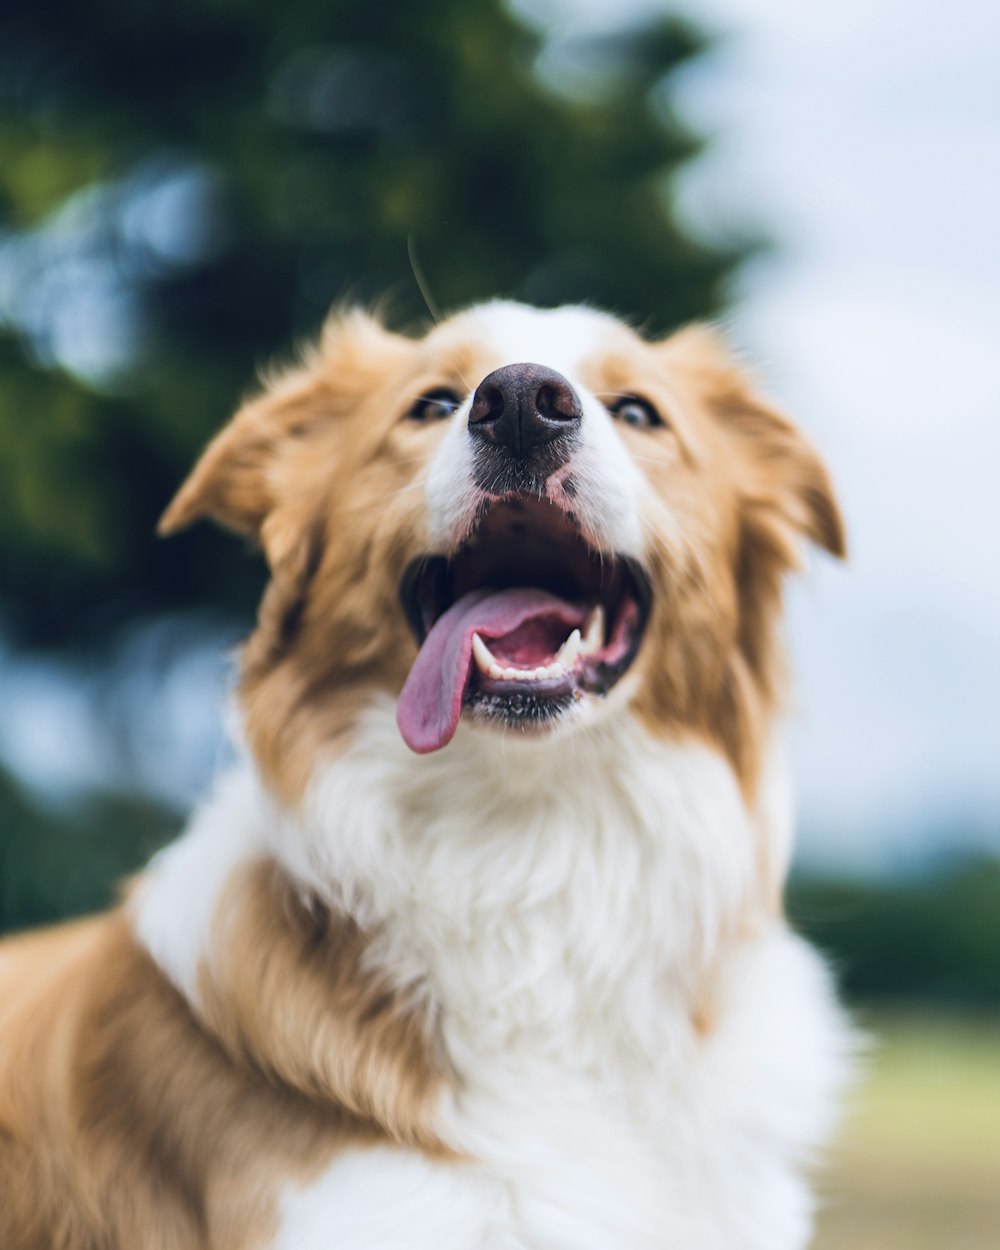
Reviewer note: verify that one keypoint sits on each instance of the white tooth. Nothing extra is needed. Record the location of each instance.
(554, 670)
(484, 656)
(567, 653)
(511, 674)
(495, 670)
(593, 631)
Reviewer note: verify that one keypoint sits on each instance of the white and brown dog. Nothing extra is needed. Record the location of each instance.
(483, 946)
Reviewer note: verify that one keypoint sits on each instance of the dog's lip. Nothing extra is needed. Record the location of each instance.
(548, 688)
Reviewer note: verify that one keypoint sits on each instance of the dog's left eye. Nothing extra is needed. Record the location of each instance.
(434, 406)
(636, 412)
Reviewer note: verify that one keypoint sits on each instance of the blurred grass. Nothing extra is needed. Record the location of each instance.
(918, 1162)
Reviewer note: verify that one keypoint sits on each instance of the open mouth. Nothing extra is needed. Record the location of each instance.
(524, 620)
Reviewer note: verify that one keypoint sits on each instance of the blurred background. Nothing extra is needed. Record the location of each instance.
(184, 190)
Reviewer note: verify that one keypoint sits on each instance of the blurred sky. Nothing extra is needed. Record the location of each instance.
(864, 140)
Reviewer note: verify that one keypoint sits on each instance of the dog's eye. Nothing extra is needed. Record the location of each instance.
(434, 406)
(636, 412)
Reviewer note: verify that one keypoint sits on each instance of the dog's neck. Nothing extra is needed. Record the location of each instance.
(532, 883)
(534, 892)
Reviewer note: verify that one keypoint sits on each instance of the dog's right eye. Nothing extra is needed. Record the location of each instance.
(638, 413)
(434, 406)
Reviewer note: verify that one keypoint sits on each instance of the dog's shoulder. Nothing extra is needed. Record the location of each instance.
(131, 1116)
(123, 1122)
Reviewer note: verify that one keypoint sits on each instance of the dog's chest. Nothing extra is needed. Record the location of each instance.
(560, 913)
(563, 924)
(700, 1152)
(549, 1159)
(559, 930)
(560, 927)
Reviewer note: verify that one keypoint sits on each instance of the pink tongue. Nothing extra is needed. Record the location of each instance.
(431, 702)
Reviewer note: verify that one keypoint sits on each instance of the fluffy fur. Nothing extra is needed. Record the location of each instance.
(532, 991)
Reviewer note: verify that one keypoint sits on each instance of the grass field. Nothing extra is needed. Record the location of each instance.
(918, 1162)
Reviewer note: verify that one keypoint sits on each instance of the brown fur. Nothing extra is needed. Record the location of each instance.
(747, 487)
(334, 476)
(289, 991)
(127, 1123)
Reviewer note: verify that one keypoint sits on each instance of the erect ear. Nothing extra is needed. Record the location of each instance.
(240, 478)
(786, 490)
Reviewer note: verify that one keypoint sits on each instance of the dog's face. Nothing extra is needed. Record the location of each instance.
(528, 519)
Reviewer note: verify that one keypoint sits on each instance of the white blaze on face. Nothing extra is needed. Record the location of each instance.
(607, 486)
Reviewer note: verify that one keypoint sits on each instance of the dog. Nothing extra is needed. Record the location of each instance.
(482, 946)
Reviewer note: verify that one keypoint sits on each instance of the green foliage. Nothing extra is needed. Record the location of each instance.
(59, 864)
(204, 179)
(936, 939)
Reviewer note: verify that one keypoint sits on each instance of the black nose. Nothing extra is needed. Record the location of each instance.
(523, 406)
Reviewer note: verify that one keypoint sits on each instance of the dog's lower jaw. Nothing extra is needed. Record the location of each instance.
(623, 1021)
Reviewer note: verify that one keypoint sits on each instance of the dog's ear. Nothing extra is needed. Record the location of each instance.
(240, 479)
(785, 487)
(233, 482)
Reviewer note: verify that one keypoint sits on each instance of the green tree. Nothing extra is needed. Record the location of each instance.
(934, 939)
(64, 861)
(185, 187)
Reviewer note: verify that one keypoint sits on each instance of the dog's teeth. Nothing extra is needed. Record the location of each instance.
(593, 631)
(563, 663)
(566, 656)
(484, 656)
(544, 672)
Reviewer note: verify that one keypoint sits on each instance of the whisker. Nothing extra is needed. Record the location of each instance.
(432, 305)
(418, 276)
(465, 382)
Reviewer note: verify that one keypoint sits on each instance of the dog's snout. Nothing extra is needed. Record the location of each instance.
(522, 407)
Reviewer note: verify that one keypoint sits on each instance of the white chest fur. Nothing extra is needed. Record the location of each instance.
(559, 908)
(713, 1162)
(554, 901)
(562, 907)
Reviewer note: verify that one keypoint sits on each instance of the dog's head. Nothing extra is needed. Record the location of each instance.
(528, 519)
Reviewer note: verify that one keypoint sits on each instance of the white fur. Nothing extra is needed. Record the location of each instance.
(538, 886)
(609, 488)
(775, 811)
(561, 904)
(379, 1198)
(561, 338)
(558, 906)
(175, 907)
